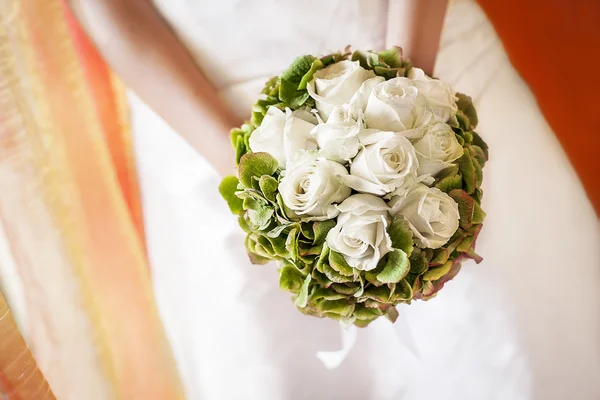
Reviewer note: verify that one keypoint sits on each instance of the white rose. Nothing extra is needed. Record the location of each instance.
(336, 84)
(384, 163)
(409, 184)
(296, 132)
(439, 95)
(358, 102)
(338, 137)
(397, 105)
(431, 214)
(360, 234)
(437, 149)
(283, 134)
(311, 186)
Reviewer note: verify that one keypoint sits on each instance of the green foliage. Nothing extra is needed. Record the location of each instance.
(239, 140)
(467, 109)
(290, 279)
(401, 235)
(292, 87)
(227, 188)
(396, 267)
(255, 165)
(388, 63)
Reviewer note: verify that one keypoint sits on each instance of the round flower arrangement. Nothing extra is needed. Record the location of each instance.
(360, 175)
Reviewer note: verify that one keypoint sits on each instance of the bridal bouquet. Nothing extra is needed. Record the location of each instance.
(360, 175)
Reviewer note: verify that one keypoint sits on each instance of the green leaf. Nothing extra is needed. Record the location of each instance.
(316, 65)
(273, 233)
(307, 230)
(449, 183)
(392, 57)
(440, 258)
(347, 289)
(392, 314)
(466, 207)
(291, 243)
(436, 273)
(396, 267)
(268, 185)
(302, 298)
(363, 323)
(227, 188)
(255, 259)
(285, 212)
(270, 88)
(300, 66)
(465, 104)
(321, 278)
(256, 118)
(239, 140)
(291, 96)
(257, 253)
(478, 195)
(388, 73)
(478, 172)
(260, 108)
(463, 124)
(478, 214)
(334, 275)
(418, 262)
(305, 250)
(365, 313)
(479, 142)
(243, 223)
(339, 264)
(388, 63)
(403, 290)
(478, 154)
(265, 247)
(401, 235)
(467, 168)
(371, 276)
(256, 165)
(468, 136)
(327, 294)
(291, 79)
(339, 307)
(466, 245)
(323, 258)
(321, 229)
(258, 211)
(365, 58)
(279, 246)
(290, 279)
(381, 294)
(333, 58)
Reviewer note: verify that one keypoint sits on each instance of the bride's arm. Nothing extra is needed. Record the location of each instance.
(143, 50)
(416, 26)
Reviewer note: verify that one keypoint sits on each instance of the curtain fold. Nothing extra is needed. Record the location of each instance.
(70, 208)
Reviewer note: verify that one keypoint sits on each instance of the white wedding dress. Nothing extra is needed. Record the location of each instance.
(523, 324)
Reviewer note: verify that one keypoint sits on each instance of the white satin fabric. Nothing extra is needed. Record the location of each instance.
(524, 324)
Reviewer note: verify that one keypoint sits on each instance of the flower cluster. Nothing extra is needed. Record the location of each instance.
(360, 175)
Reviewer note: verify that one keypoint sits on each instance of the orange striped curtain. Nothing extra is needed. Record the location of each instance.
(70, 208)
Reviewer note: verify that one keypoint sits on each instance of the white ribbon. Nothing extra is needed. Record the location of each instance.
(333, 359)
